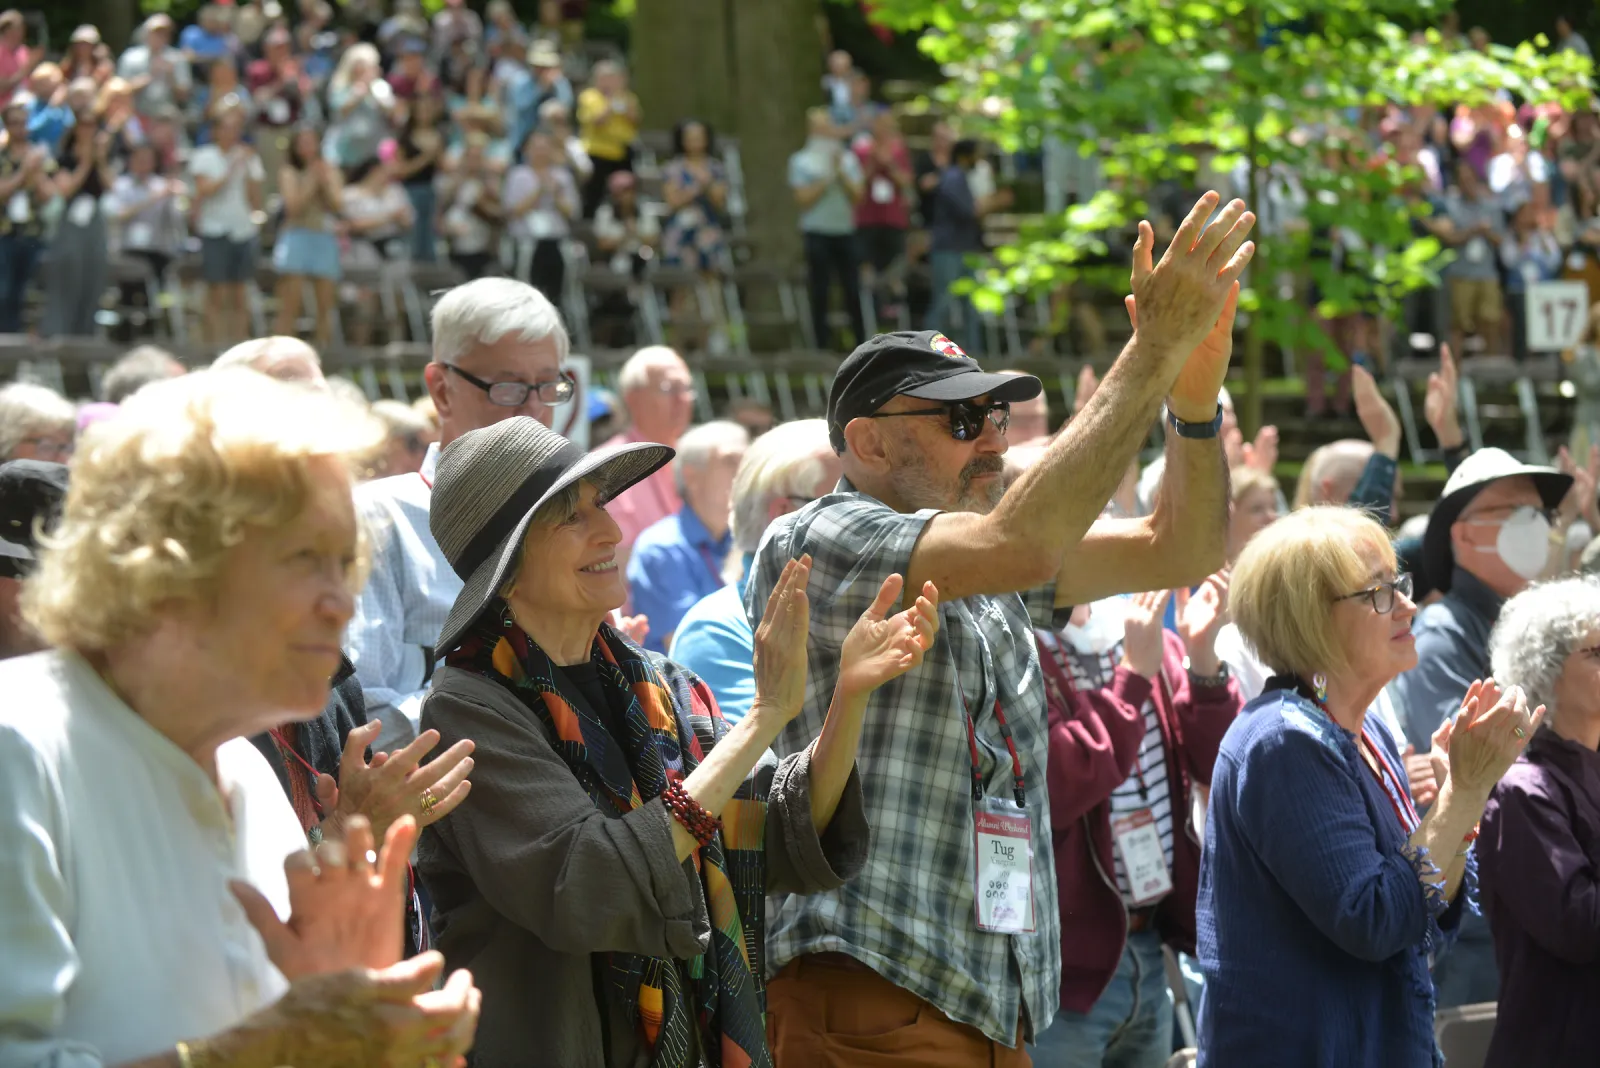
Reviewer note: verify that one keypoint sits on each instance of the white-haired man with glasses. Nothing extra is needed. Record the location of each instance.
(659, 394)
(498, 351)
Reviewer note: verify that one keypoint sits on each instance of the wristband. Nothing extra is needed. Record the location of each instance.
(1196, 430)
(1219, 679)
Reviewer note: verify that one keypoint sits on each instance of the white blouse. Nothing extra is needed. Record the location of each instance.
(119, 933)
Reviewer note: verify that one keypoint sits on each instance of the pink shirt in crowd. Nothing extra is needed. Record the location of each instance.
(12, 63)
(642, 504)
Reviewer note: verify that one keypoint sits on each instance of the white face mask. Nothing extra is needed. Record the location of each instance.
(1523, 542)
(1103, 630)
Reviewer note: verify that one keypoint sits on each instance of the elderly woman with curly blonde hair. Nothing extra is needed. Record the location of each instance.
(1539, 853)
(156, 906)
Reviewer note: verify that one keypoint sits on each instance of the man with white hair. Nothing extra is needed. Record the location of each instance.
(786, 468)
(288, 359)
(36, 423)
(498, 350)
(679, 559)
(659, 396)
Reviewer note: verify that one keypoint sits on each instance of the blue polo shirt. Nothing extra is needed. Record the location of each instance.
(715, 641)
(675, 562)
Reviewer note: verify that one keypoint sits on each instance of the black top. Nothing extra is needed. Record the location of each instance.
(68, 161)
(410, 151)
(586, 677)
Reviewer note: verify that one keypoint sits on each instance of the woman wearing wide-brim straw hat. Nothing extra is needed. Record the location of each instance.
(606, 876)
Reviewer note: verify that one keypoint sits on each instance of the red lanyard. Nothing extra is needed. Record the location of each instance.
(426, 481)
(1398, 793)
(1019, 786)
(288, 747)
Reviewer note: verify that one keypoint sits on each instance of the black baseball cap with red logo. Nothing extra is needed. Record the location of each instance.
(923, 364)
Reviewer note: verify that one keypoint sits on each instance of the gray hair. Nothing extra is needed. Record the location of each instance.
(253, 352)
(783, 462)
(699, 442)
(482, 312)
(1536, 632)
(635, 373)
(136, 369)
(28, 410)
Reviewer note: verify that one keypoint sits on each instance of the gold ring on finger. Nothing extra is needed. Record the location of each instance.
(1519, 732)
(428, 801)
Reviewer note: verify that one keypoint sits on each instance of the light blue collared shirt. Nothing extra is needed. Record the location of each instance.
(674, 563)
(715, 641)
(400, 613)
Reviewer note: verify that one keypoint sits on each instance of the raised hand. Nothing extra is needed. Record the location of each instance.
(780, 652)
(1493, 728)
(1200, 617)
(1088, 382)
(347, 903)
(635, 628)
(1262, 454)
(1142, 643)
(881, 647)
(1377, 417)
(393, 785)
(1580, 501)
(1440, 400)
(1189, 296)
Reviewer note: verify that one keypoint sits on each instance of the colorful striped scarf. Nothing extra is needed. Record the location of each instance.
(713, 1003)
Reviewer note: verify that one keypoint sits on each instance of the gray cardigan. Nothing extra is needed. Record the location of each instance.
(529, 879)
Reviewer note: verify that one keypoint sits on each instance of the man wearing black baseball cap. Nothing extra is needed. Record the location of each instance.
(30, 494)
(944, 918)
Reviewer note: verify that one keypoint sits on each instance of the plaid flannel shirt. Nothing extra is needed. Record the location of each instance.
(911, 915)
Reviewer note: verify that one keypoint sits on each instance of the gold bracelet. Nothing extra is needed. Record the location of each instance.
(184, 1060)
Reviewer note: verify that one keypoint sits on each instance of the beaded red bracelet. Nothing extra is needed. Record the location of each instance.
(687, 811)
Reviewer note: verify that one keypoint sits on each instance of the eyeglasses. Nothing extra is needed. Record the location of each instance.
(47, 448)
(1382, 595)
(966, 417)
(1506, 512)
(515, 394)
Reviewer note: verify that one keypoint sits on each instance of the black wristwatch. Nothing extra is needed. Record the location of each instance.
(1196, 430)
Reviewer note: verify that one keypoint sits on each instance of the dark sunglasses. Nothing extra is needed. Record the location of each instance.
(966, 417)
(515, 394)
(1382, 595)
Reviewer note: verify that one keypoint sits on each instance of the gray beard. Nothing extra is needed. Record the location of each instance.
(916, 486)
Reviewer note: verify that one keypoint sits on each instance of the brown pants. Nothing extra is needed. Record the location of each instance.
(830, 1011)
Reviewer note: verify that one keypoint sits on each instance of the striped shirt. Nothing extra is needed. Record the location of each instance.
(1147, 786)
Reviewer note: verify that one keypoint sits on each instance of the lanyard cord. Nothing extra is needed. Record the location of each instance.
(284, 745)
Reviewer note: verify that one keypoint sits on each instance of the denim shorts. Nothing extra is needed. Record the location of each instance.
(225, 261)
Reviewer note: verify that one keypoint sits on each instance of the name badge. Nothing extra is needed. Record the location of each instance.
(140, 235)
(1139, 843)
(1002, 832)
(1477, 250)
(277, 111)
(19, 208)
(882, 190)
(81, 213)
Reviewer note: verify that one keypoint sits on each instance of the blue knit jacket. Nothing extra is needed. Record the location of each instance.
(1315, 933)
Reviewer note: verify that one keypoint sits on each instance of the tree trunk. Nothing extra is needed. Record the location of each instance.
(115, 22)
(750, 68)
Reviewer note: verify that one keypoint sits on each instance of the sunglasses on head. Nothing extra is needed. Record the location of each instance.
(966, 417)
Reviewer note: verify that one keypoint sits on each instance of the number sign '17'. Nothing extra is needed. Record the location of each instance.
(1558, 313)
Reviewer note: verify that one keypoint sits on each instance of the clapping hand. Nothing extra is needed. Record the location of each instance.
(347, 903)
(1580, 501)
(635, 628)
(393, 785)
(1200, 617)
(1088, 382)
(1493, 728)
(881, 647)
(1186, 302)
(1143, 646)
(780, 652)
